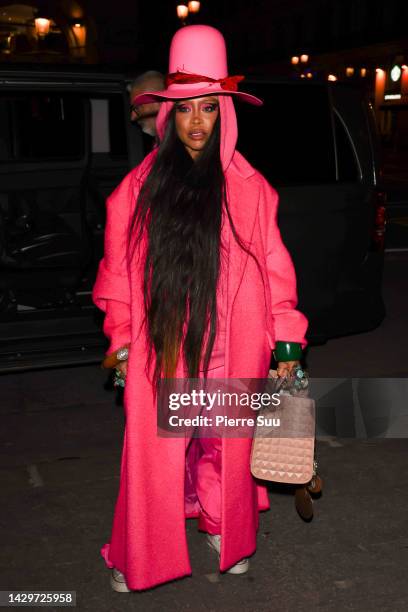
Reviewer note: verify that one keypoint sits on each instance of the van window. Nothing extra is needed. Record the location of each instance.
(290, 138)
(41, 127)
(347, 166)
(109, 126)
(117, 126)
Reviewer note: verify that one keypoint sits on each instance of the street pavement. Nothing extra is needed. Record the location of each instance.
(61, 435)
(60, 474)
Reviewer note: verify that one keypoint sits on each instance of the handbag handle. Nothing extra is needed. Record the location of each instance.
(295, 384)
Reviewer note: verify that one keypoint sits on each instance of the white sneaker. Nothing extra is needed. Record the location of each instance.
(118, 582)
(214, 542)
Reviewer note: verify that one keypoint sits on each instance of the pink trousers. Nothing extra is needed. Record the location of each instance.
(208, 485)
(205, 471)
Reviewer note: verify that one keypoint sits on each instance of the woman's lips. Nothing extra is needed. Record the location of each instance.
(197, 135)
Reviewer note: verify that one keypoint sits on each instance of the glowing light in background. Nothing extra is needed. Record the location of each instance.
(395, 73)
(194, 6)
(379, 86)
(182, 11)
(42, 26)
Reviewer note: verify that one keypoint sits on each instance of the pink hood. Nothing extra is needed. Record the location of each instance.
(229, 129)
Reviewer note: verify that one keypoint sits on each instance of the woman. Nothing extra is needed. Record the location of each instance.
(195, 278)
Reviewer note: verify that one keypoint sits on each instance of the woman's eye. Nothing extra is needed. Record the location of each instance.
(209, 108)
(182, 109)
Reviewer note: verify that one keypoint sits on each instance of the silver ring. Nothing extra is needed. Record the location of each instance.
(122, 354)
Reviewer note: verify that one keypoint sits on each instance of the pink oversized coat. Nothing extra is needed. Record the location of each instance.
(148, 542)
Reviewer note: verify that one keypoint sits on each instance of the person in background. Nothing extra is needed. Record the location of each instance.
(145, 115)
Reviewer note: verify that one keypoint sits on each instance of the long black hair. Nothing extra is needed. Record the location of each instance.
(180, 207)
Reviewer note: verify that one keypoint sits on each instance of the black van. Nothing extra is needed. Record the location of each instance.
(65, 143)
(316, 143)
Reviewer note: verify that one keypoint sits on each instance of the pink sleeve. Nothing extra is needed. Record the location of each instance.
(111, 292)
(290, 324)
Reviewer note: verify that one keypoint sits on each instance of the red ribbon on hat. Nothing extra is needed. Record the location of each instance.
(182, 78)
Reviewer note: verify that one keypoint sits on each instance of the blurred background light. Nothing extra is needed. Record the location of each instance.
(42, 26)
(194, 6)
(182, 11)
(395, 73)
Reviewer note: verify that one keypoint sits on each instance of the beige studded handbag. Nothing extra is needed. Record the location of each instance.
(284, 439)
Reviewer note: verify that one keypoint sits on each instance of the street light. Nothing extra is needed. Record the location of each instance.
(304, 58)
(295, 60)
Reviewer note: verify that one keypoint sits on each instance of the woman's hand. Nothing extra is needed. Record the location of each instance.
(122, 367)
(120, 372)
(122, 356)
(285, 367)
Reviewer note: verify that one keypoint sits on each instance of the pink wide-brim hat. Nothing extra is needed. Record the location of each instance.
(197, 67)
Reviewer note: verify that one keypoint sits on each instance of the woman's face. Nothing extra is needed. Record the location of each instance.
(195, 119)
